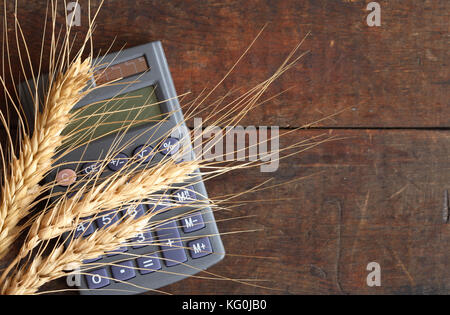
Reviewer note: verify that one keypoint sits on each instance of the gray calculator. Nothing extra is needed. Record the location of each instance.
(183, 238)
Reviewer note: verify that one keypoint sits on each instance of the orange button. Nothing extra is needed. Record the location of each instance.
(66, 177)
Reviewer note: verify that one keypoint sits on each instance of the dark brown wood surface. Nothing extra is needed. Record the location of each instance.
(374, 196)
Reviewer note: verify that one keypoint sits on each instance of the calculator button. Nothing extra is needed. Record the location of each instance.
(72, 194)
(117, 251)
(144, 153)
(66, 177)
(118, 162)
(135, 211)
(148, 264)
(90, 168)
(123, 271)
(107, 218)
(141, 240)
(200, 248)
(84, 228)
(159, 205)
(97, 279)
(171, 245)
(88, 261)
(170, 146)
(192, 222)
(185, 195)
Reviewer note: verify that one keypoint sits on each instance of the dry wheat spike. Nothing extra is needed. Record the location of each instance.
(110, 194)
(38, 271)
(20, 183)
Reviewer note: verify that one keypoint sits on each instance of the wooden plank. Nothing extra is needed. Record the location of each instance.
(395, 75)
(376, 197)
(381, 194)
(380, 199)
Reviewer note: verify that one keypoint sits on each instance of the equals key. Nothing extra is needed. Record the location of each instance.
(148, 264)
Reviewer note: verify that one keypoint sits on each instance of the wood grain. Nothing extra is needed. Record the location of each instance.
(378, 199)
(376, 195)
(396, 75)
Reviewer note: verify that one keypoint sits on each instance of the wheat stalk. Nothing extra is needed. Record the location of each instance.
(65, 214)
(21, 183)
(110, 194)
(35, 273)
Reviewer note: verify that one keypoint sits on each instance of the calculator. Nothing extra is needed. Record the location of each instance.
(183, 239)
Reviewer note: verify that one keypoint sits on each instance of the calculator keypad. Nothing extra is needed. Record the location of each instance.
(200, 247)
(172, 248)
(192, 223)
(135, 211)
(167, 248)
(160, 204)
(84, 229)
(144, 153)
(117, 251)
(141, 240)
(123, 271)
(170, 146)
(171, 245)
(97, 279)
(107, 219)
(66, 177)
(185, 195)
(90, 168)
(118, 162)
(88, 261)
(148, 264)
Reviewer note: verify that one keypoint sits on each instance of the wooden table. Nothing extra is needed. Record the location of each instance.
(376, 195)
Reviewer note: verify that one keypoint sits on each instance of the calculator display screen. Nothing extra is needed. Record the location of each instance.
(121, 70)
(113, 115)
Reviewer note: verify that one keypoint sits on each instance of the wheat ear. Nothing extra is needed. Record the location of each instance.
(38, 271)
(21, 182)
(110, 194)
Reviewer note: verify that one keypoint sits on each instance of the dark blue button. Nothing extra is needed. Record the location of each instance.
(135, 211)
(108, 218)
(90, 168)
(200, 248)
(160, 204)
(193, 222)
(170, 146)
(148, 263)
(123, 271)
(171, 245)
(142, 239)
(118, 162)
(185, 195)
(117, 251)
(84, 228)
(97, 279)
(144, 153)
(72, 194)
(88, 261)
